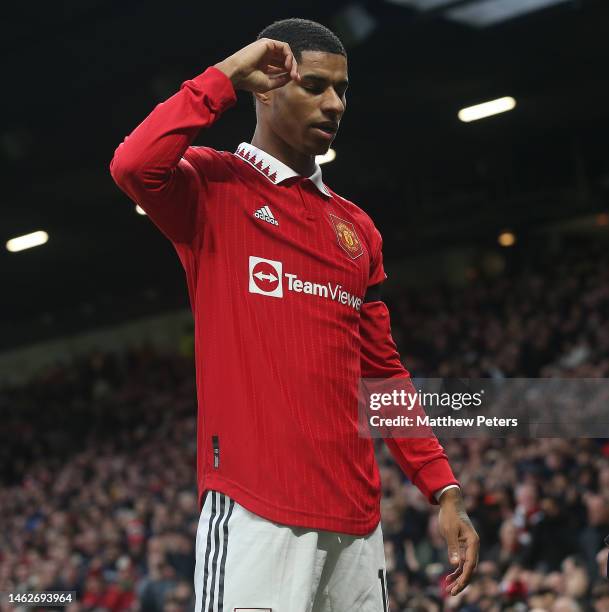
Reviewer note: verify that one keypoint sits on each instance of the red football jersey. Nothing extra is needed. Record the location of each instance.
(277, 267)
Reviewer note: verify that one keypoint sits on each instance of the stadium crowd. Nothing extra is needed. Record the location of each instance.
(97, 462)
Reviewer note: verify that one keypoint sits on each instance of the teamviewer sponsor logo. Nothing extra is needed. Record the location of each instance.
(330, 291)
(266, 278)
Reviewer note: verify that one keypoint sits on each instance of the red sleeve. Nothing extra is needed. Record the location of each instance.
(422, 459)
(150, 165)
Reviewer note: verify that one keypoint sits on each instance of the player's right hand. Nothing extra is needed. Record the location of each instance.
(261, 66)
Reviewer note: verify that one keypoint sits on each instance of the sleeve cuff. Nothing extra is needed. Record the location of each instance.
(438, 494)
(433, 476)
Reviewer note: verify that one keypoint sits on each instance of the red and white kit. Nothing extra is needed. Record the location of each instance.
(277, 266)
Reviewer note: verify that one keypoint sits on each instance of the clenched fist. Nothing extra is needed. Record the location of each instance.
(261, 66)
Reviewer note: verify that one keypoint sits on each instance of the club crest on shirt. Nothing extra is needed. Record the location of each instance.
(347, 238)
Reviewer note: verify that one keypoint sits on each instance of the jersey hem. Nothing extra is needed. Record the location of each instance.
(292, 518)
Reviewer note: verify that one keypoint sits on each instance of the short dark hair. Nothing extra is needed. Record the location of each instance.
(303, 35)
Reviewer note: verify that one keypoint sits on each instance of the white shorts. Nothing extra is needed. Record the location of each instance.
(246, 563)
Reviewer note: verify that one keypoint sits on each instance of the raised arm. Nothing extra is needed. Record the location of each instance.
(152, 166)
(149, 165)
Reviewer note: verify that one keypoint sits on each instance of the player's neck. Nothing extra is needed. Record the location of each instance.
(269, 142)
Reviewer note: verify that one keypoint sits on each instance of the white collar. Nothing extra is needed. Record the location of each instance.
(275, 170)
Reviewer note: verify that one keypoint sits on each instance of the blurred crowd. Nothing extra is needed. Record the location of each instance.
(547, 316)
(97, 462)
(541, 508)
(98, 490)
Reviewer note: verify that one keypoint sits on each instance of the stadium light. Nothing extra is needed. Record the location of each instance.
(506, 239)
(486, 109)
(491, 12)
(423, 5)
(329, 156)
(139, 210)
(602, 219)
(479, 13)
(27, 241)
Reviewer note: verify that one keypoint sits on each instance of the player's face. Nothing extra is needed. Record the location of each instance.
(319, 98)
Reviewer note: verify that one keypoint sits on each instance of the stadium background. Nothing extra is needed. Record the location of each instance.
(97, 399)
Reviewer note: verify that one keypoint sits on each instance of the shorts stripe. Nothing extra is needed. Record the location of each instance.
(221, 510)
(223, 563)
(384, 594)
(208, 549)
(214, 562)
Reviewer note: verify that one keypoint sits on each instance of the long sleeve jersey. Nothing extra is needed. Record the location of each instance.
(277, 267)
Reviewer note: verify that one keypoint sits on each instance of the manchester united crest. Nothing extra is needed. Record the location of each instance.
(347, 238)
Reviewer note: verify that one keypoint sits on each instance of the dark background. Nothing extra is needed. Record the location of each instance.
(97, 452)
(79, 77)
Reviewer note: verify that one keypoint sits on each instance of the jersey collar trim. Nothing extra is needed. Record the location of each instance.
(275, 170)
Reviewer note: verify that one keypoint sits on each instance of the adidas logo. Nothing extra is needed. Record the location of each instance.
(265, 214)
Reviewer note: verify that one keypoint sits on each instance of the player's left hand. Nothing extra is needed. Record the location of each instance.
(462, 540)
